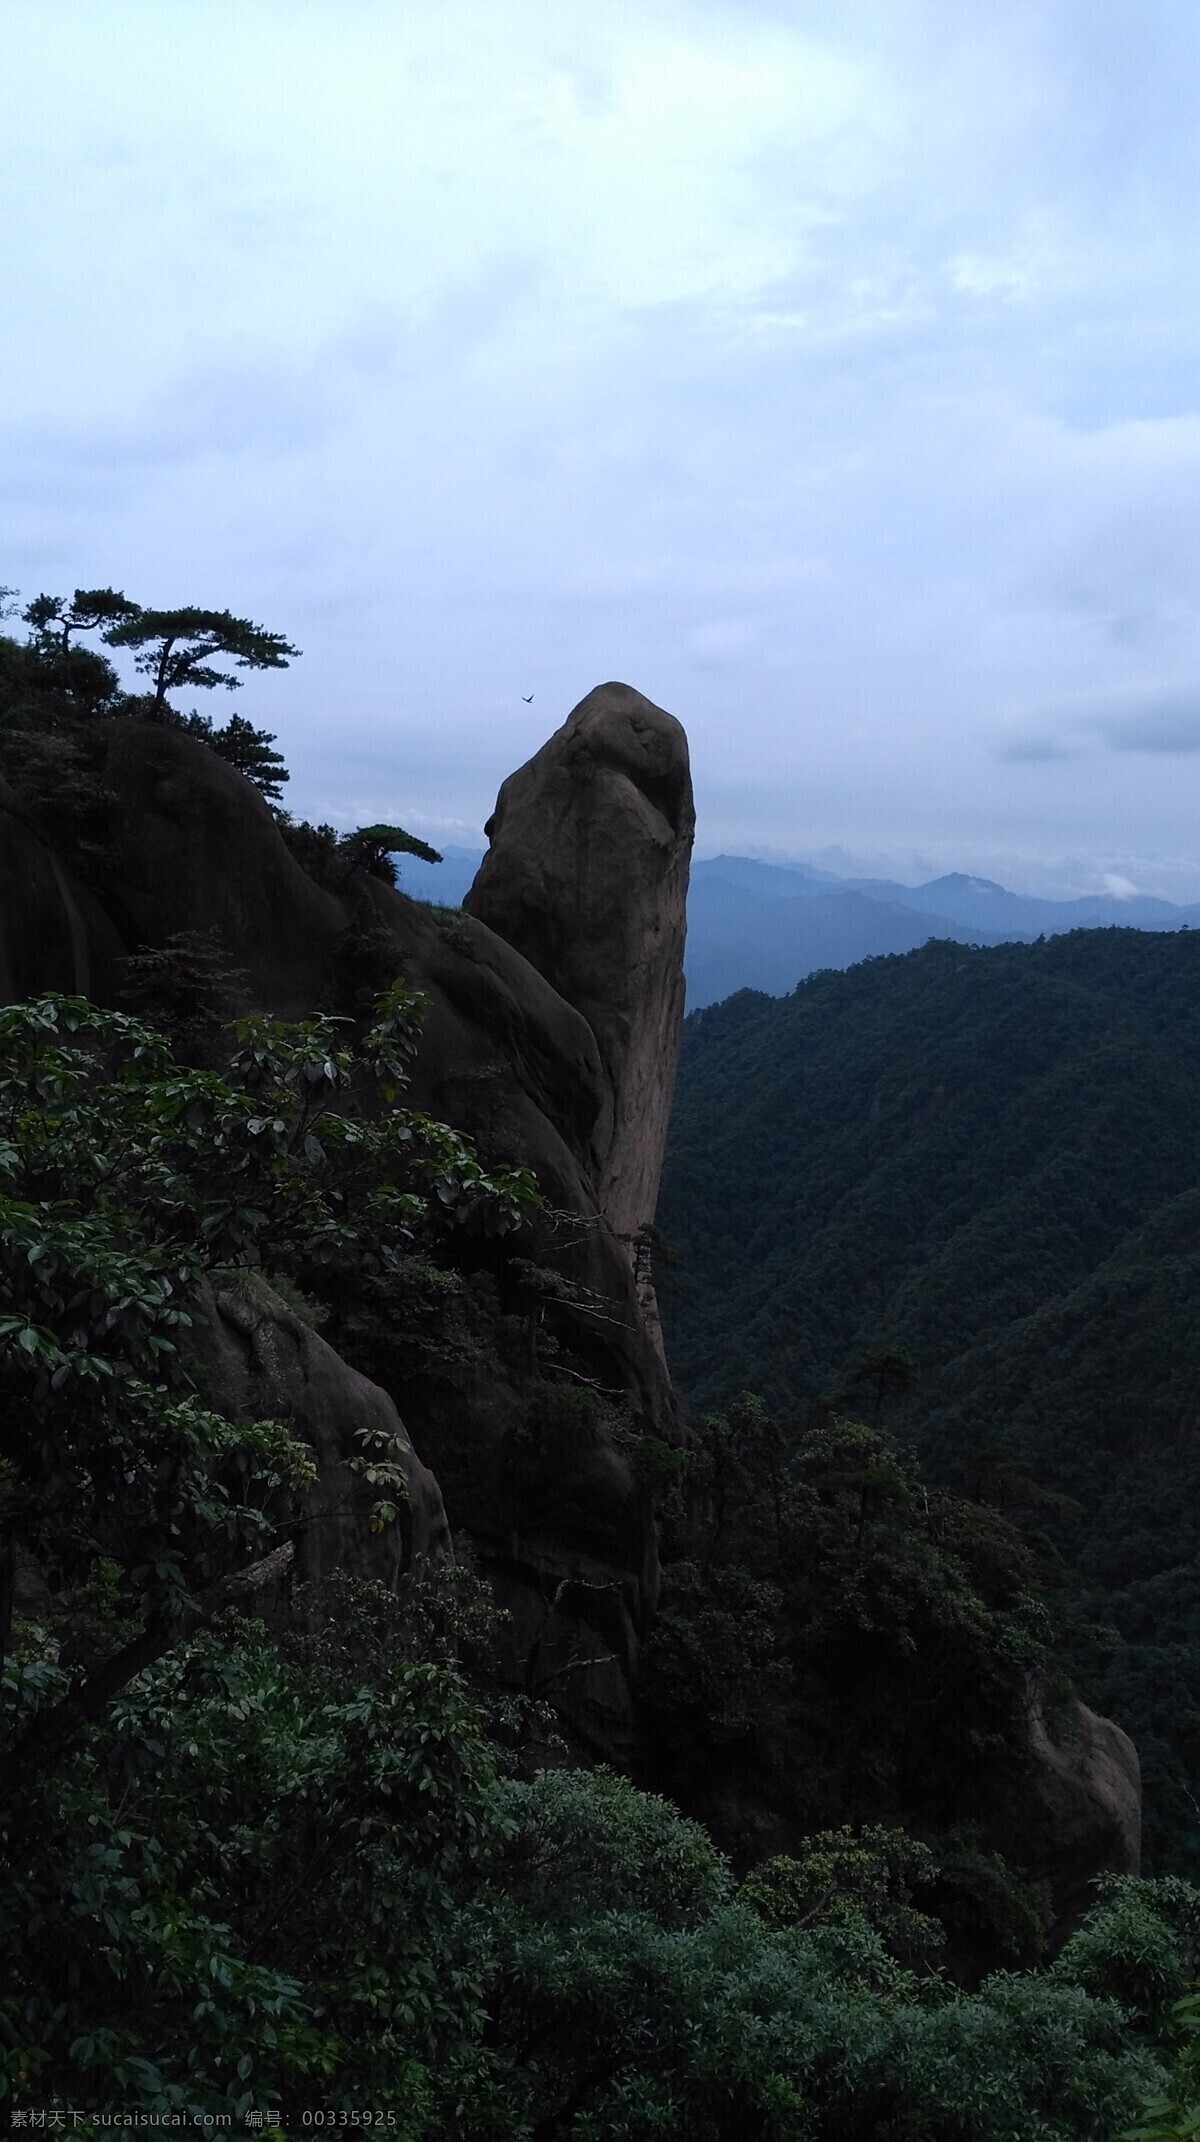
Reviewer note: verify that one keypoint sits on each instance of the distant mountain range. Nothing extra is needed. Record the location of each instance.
(764, 926)
(446, 882)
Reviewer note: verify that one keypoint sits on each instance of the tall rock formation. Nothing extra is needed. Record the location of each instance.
(576, 1086)
(587, 876)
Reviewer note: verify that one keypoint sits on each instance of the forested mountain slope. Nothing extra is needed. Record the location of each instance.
(988, 1158)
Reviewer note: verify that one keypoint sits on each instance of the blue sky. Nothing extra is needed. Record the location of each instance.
(829, 372)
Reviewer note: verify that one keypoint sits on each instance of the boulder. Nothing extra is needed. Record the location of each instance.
(1083, 1815)
(557, 1519)
(265, 1361)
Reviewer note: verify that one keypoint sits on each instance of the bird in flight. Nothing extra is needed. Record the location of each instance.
(529, 701)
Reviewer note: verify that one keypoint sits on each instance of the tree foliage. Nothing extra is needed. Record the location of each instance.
(371, 848)
(188, 989)
(56, 698)
(178, 648)
(837, 1641)
(247, 1889)
(139, 1724)
(240, 744)
(332, 858)
(124, 1177)
(679, 2009)
(53, 618)
(845, 1875)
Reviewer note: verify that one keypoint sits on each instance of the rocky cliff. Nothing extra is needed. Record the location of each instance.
(551, 1031)
(564, 1066)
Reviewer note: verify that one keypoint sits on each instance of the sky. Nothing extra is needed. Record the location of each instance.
(829, 372)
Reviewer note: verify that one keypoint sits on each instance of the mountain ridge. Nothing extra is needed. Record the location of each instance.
(766, 926)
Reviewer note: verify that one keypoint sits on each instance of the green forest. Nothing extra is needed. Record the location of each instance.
(931, 1317)
(985, 1163)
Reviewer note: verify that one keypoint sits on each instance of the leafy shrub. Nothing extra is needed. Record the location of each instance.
(581, 1836)
(1140, 1945)
(247, 1889)
(841, 1876)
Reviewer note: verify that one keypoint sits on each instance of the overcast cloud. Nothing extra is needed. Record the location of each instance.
(828, 372)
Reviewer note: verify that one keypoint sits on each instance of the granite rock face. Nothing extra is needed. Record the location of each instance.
(553, 1509)
(1084, 1817)
(265, 1360)
(53, 934)
(195, 847)
(587, 877)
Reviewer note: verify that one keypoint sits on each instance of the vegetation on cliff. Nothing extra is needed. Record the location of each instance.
(138, 1514)
(838, 1646)
(56, 695)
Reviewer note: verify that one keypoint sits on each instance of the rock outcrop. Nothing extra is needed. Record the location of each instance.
(194, 847)
(587, 876)
(552, 1506)
(53, 934)
(1084, 1815)
(266, 1361)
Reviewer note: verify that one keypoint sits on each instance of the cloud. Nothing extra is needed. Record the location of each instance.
(720, 643)
(1152, 721)
(1157, 721)
(831, 374)
(980, 277)
(1119, 888)
(1032, 749)
(247, 404)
